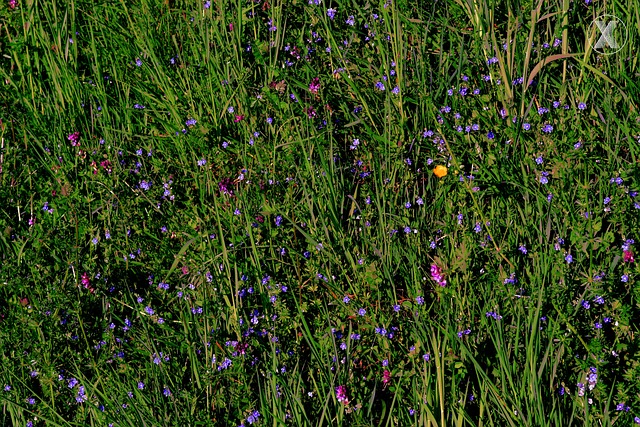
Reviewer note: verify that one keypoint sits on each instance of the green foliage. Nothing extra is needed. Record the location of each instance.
(226, 213)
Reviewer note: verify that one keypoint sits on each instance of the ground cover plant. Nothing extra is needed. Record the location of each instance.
(319, 212)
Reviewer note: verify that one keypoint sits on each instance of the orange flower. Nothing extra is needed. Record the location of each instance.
(440, 171)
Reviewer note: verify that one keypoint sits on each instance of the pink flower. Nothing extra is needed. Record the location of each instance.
(341, 394)
(436, 275)
(628, 256)
(386, 377)
(86, 282)
(314, 86)
(106, 165)
(13, 4)
(74, 138)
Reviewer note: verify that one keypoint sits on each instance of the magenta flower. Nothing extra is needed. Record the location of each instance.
(628, 256)
(436, 275)
(341, 394)
(314, 86)
(74, 138)
(86, 282)
(386, 377)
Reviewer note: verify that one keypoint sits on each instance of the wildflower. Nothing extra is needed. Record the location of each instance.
(626, 246)
(74, 138)
(496, 316)
(253, 417)
(436, 275)
(331, 13)
(314, 86)
(465, 332)
(628, 256)
(440, 171)
(341, 394)
(386, 377)
(543, 178)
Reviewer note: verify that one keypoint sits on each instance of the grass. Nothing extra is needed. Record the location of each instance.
(226, 213)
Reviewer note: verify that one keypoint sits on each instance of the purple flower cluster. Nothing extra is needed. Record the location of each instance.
(436, 275)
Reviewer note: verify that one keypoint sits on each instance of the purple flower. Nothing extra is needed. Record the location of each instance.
(74, 138)
(543, 178)
(314, 86)
(341, 394)
(331, 13)
(253, 417)
(436, 275)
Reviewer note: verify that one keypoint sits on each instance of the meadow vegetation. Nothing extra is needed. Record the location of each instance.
(318, 212)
